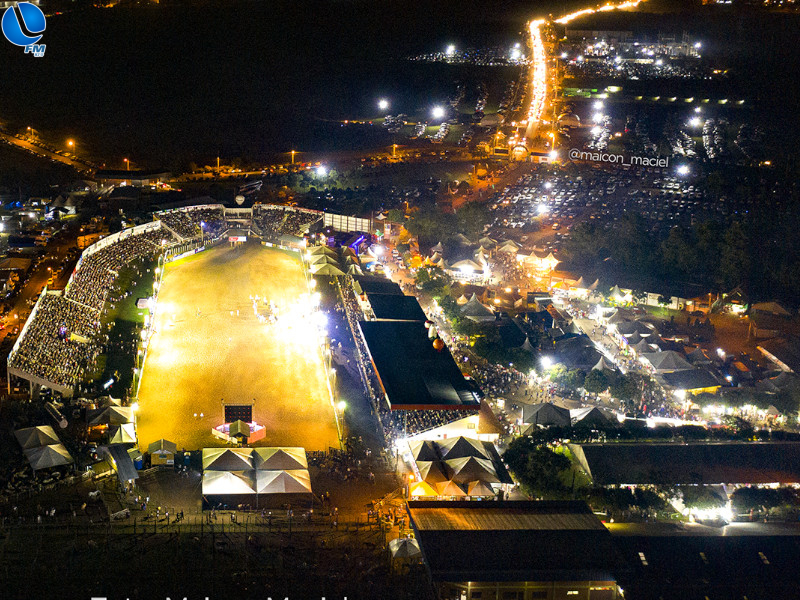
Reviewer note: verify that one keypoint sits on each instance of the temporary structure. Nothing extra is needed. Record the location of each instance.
(545, 413)
(296, 481)
(466, 470)
(225, 483)
(33, 437)
(162, 452)
(279, 459)
(479, 488)
(461, 447)
(122, 434)
(110, 415)
(423, 450)
(44, 457)
(430, 471)
(404, 548)
(327, 269)
(421, 488)
(449, 488)
(227, 459)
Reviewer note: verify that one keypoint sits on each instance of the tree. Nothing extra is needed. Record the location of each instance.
(701, 497)
(735, 251)
(539, 470)
(624, 388)
(430, 223)
(471, 218)
(396, 216)
(596, 382)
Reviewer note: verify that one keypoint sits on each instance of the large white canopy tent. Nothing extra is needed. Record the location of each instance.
(33, 437)
(45, 457)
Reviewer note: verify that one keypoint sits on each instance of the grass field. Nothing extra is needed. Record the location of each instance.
(209, 346)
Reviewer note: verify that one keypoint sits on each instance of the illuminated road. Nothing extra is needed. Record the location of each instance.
(43, 152)
(539, 60)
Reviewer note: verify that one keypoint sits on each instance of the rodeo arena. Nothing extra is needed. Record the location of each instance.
(234, 371)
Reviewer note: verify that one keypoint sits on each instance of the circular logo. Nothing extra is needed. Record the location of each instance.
(28, 15)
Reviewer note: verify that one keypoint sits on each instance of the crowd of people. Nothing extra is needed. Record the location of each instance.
(97, 272)
(49, 350)
(280, 220)
(195, 222)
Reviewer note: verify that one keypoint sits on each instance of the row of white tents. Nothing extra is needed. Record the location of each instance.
(42, 447)
(233, 472)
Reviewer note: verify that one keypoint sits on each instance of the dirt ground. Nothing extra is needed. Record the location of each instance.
(209, 347)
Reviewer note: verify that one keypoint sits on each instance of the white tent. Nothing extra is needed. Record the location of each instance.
(45, 457)
(111, 415)
(222, 483)
(430, 472)
(449, 488)
(404, 548)
(33, 437)
(467, 470)
(227, 459)
(327, 269)
(122, 434)
(295, 481)
(279, 459)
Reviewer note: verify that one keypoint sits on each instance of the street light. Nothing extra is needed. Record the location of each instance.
(451, 50)
(127, 164)
(683, 169)
(71, 144)
(293, 152)
(383, 104)
(437, 112)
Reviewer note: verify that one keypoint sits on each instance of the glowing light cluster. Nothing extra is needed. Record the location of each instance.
(539, 83)
(589, 11)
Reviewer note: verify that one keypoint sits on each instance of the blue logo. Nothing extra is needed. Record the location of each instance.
(20, 20)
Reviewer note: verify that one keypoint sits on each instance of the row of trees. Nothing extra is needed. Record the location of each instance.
(760, 255)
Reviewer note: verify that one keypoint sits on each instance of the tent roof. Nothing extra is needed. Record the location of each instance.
(280, 459)
(642, 346)
(430, 471)
(227, 482)
(449, 488)
(474, 308)
(423, 450)
(44, 457)
(239, 428)
(162, 445)
(669, 360)
(421, 488)
(545, 413)
(479, 488)
(294, 481)
(590, 415)
(320, 259)
(121, 461)
(327, 269)
(314, 250)
(488, 423)
(461, 447)
(110, 415)
(122, 434)
(404, 548)
(471, 468)
(227, 459)
(33, 437)
(604, 365)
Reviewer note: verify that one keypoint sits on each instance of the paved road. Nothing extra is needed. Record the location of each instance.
(39, 151)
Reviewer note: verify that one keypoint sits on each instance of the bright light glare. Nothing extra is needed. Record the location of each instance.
(695, 121)
(553, 154)
(451, 50)
(698, 109)
(683, 169)
(542, 209)
(597, 130)
(341, 405)
(383, 104)
(598, 105)
(322, 170)
(547, 362)
(598, 117)
(437, 112)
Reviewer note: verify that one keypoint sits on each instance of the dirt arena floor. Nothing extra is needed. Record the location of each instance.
(210, 346)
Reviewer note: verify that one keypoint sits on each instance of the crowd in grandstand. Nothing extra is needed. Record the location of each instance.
(97, 271)
(279, 220)
(189, 224)
(50, 351)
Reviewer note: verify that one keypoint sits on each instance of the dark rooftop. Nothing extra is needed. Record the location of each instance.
(513, 541)
(395, 307)
(674, 463)
(413, 373)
